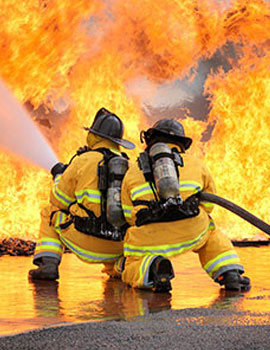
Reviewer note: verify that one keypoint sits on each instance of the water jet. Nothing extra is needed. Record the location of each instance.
(20, 135)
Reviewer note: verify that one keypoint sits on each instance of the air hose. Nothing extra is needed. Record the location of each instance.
(244, 214)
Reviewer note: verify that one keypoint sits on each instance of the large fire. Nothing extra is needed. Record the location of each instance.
(65, 59)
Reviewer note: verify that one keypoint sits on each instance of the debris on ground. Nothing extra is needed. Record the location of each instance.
(19, 247)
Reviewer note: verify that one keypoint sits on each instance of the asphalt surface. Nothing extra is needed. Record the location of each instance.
(174, 329)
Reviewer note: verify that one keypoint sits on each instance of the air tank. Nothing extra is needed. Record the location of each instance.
(164, 171)
(117, 168)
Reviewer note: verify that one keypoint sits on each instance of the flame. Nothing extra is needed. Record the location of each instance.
(65, 59)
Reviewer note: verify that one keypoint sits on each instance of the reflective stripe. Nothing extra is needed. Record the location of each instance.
(226, 258)
(165, 250)
(207, 204)
(52, 243)
(61, 196)
(49, 244)
(87, 255)
(60, 217)
(192, 186)
(141, 190)
(144, 270)
(57, 179)
(92, 196)
(127, 209)
(119, 264)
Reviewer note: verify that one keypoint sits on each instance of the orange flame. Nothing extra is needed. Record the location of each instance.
(66, 59)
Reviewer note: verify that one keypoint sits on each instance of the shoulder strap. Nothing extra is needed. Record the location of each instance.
(124, 155)
(145, 165)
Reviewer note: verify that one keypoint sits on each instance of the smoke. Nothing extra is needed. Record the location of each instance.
(19, 134)
(186, 96)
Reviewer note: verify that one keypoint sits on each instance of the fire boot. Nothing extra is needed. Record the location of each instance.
(232, 280)
(161, 272)
(47, 270)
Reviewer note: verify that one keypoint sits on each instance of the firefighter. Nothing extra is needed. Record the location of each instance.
(166, 218)
(80, 217)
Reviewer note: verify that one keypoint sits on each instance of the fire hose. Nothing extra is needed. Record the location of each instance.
(244, 214)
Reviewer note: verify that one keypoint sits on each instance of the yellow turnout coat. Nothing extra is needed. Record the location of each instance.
(144, 243)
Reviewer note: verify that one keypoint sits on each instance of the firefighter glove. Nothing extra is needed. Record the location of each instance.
(57, 169)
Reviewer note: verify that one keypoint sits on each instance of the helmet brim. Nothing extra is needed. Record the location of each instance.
(124, 143)
(184, 140)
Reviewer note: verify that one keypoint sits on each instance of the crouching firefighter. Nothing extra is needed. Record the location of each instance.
(85, 214)
(166, 218)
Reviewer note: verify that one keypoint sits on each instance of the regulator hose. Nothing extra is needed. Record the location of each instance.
(244, 214)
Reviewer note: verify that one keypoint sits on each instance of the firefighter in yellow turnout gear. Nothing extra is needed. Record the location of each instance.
(75, 218)
(163, 227)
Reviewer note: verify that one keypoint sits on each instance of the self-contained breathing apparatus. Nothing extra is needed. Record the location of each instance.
(159, 165)
(111, 170)
(111, 224)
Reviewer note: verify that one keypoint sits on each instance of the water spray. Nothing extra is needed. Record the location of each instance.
(19, 134)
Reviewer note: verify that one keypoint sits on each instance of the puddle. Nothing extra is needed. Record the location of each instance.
(84, 294)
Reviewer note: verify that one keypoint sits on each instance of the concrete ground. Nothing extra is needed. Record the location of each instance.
(85, 310)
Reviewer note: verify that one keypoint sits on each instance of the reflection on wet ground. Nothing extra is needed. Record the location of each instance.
(84, 294)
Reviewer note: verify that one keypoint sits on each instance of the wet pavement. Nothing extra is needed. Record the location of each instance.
(84, 294)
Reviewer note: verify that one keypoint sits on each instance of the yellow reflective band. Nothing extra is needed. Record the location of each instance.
(50, 244)
(92, 196)
(143, 267)
(48, 247)
(224, 263)
(62, 197)
(127, 209)
(165, 250)
(188, 185)
(48, 239)
(119, 264)
(141, 191)
(222, 255)
(207, 204)
(144, 189)
(224, 259)
(88, 255)
(57, 179)
(60, 217)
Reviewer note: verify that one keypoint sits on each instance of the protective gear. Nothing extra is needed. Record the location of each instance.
(110, 174)
(109, 126)
(58, 169)
(171, 210)
(78, 189)
(47, 270)
(117, 168)
(167, 130)
(142, 244)
(159, 165)
(232, 280)
(164, 171)
(161, 272)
